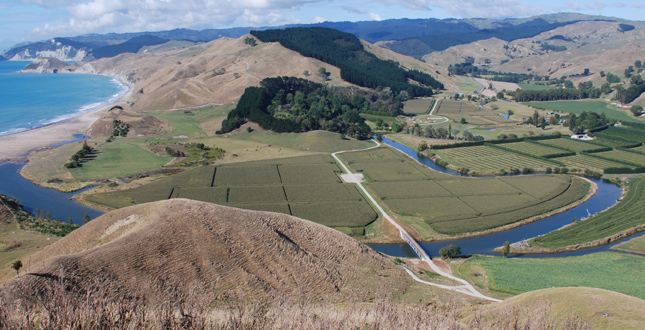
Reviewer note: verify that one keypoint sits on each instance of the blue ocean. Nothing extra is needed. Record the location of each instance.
(29, 101)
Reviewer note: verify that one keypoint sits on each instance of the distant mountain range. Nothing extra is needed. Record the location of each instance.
(413, 37)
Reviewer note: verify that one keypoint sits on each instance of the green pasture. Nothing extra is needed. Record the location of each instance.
(314, 141)
(307, 187)
(640, 149)
(578, 107)
(627, 214)
(534, 87)
(613, 271)
(118, 159)
(635, 245)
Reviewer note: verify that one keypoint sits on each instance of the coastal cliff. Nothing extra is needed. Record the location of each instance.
(48, 65)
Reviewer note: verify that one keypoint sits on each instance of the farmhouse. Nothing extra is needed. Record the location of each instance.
(583, 137)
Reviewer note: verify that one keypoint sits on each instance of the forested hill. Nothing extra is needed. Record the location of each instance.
(357, 66)
(290, 104)
(131, 46)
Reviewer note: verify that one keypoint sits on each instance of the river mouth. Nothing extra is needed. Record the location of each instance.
(606, 197)
(33, 196)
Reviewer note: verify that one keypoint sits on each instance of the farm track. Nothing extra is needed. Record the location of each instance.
(466, 288)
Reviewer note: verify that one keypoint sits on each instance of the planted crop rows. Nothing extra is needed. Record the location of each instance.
(623, 156)
(532, 148)
(418, 106)
(454, 107)
(571, 145)
(309, 185)
(628, 213)
(590, 161)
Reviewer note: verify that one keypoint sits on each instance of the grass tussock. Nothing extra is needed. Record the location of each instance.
(103, 304)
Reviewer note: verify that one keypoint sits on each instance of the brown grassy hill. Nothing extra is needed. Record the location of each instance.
(591, 44)
(226, 252)
(600, 309)
(140, 124)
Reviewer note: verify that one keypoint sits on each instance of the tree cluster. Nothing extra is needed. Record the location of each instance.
(357, 66)
(450, 251)
(586, 121)
(585, 90)
(120, 128)
(289, 104)
(629, 94)
(77, 158)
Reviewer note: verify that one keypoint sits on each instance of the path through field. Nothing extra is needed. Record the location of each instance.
(466, 288)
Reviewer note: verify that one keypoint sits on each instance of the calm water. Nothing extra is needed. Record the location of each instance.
(34, 100)
(34, 196)
(606, 196)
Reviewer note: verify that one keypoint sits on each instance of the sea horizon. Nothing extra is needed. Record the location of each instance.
(32, 100)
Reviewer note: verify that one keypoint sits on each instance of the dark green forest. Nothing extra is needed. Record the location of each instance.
(357, 66)
(289, 104)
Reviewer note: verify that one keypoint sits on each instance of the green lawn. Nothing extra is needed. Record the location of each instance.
(531, 87)
(314, 141)
(579, 106)
(118, 159)
(614, 271)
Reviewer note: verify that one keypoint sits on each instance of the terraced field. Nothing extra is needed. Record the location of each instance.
(454, 205)
(306, 187)
(627, 214)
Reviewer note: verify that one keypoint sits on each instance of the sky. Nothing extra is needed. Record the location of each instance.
(35, 20)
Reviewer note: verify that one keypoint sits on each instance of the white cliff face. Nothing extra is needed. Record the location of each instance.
(57, 50)
(48, 65)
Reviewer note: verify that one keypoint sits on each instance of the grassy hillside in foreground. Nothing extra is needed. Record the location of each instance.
(613, 271)
(599, 309)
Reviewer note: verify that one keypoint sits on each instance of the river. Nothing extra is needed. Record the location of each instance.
(606, 196)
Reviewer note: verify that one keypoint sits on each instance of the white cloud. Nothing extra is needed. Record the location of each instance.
(375, 16)
(319, 19)
(101, 16)
(472, 8)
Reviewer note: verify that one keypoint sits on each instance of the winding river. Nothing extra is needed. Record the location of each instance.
(61, 207)
(606, 196)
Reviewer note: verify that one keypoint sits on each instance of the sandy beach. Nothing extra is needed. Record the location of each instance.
(16, 147)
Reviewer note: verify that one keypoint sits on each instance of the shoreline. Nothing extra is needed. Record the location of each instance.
(18, 146)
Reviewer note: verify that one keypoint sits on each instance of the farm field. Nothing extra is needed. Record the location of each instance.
(628, 135)
(453, 205)
(307, 187)
(627, 214)
(452, 107)
(418, 106)
(533, 87)
(578, 107)
(584, 160)
(118, 159)
(487, 158)
(634, 245)
(532, 148)
(570, 145)
(632, 158)
(613, 271)
(640, 150)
